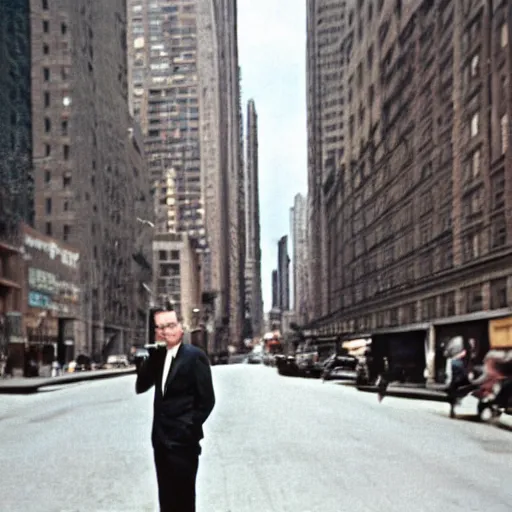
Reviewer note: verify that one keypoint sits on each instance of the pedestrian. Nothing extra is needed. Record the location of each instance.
(183, 400)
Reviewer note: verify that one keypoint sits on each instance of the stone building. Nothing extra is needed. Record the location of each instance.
(85, 181)
(416, 207)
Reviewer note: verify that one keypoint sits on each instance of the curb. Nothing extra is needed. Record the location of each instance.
(419, 394)
(32, 385)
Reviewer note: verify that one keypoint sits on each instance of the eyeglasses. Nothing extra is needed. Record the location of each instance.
(171, 325)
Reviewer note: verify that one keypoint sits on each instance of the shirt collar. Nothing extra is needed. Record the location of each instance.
(174, 350)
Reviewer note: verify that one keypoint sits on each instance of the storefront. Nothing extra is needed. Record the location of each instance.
(402, 351)
(52, 297)
(11, 306)
(474, 329)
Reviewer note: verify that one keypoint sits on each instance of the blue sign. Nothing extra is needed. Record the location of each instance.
(39, 300)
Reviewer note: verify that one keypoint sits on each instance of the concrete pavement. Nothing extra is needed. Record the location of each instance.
(24, 386)
(272, 444)
(422, 393)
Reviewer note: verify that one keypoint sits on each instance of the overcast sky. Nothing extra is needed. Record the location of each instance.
(272, 42)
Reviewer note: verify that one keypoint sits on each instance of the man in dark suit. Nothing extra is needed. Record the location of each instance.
(184, 399)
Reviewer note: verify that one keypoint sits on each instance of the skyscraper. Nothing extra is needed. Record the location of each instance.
(252, 222)
(165, 100)
(275, 289)
(298, 230)
(186, 93)
(86, 169)
(16, 190)
(326, 27)
(283, 270)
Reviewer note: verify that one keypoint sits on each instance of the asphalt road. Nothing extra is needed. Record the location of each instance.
(273, 444)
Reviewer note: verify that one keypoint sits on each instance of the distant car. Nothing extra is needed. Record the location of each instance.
(117, 361)
(255, 356)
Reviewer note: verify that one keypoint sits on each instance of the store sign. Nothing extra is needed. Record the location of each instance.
(68, 258)
(43, 301)
(48, 283)
(39, 300)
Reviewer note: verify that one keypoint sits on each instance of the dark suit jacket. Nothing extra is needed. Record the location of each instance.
(179, 414)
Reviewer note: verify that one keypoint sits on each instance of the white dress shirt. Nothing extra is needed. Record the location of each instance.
(169, 357)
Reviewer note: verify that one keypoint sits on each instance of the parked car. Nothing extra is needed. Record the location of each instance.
(341, 366)
(117, 361)
(286, 365)
(256, 355)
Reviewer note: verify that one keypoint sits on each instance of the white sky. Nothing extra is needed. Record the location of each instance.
(272, 53)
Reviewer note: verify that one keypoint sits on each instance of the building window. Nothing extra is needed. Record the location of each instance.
(46, 74)
(473, 298)
(65, 206)
(448, 304)
(47, 125)
(47, 150)
(64, 128)
(47, 176)
(45, 5)
(66, 232)
(475, 161)
(498, 232)
(63, 29)
(66, 152)
(162, 255)
(504, 133)
(504, 35)
(46, 49)
(428, 309)
(46, 26)
(48, 228)
(471, 247)
(475, 120)
(66, 180)
(474, 65)
(499, 293)
(46, 99)
(48, 205)
(498, 191)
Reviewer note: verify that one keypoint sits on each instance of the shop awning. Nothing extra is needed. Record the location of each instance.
(403, 328)
(356, 344)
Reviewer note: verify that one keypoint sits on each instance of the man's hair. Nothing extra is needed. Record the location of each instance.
(158, 310)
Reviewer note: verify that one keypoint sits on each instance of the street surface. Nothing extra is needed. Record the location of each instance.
(273, 444)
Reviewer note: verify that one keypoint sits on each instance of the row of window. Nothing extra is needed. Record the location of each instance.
(470, 300)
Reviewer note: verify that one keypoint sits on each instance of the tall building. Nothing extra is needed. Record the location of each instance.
(87, 186)
(16, 180)
(186, 93)
(283, 271)
(252, 222)
(326, 28)
(298, 231)
(421, 193)
(165, 100)
(275, 289)
(222, 167)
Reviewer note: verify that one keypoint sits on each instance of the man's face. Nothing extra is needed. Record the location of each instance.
(168, 328)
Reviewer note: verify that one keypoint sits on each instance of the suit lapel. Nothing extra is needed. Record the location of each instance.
(174, 367)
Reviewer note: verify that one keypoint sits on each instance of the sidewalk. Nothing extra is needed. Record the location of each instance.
(433, 393)
(24, 385)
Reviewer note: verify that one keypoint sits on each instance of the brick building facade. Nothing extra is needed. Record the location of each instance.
(418, 207)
